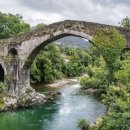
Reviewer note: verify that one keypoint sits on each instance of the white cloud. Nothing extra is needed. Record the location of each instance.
(49, 11)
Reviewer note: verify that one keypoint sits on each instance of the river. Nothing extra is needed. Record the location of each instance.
(60, 114)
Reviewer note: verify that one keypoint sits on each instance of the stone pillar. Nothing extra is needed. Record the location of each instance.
(17, 77)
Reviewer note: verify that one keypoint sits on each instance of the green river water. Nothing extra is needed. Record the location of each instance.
(60, 114)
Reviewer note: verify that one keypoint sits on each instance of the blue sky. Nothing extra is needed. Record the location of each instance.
(49, 11)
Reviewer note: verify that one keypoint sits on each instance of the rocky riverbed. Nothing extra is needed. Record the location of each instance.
(62, 82)
(60, 114)
(30, 97)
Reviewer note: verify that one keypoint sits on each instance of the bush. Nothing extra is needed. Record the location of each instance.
(114, 93)
(114, 121)
(58, 74)
(96, 79)
(88, 82)
(123, 75)
(110, 43)
(118, 117)
(83, 124)
(2, 87)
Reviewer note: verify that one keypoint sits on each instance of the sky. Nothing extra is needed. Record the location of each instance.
(50, 11)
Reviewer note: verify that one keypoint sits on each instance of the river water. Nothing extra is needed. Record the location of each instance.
(60, 114)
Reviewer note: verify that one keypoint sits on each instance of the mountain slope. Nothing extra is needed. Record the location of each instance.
(73, 41)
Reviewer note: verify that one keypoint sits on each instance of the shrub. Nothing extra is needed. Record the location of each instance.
(110, 43)
(96, 79)
(118, 117)
(83, 124)
(2, 87)
(123, 75)
(114, 121)
(88, 82)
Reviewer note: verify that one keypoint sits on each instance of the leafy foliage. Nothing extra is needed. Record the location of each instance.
(110, 43)
(117, 96)
(53, 64)
(11, 25)
(118, 101)
(41, 25)
(125, 22)
(78, 60)
(83, 124)
(96, 76)
(48, 65)
(2, 87)
(88, 82)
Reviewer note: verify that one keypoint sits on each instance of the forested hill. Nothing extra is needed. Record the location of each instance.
(73, 41)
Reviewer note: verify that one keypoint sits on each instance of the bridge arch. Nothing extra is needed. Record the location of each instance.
(41, 45)
(2, 74)
(35, 40)
(29, 44)
(13, 52)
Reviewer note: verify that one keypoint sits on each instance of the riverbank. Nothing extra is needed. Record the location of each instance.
(55, 85)
(60, 114)
(31, 97)
(62, 82)
(27, 99)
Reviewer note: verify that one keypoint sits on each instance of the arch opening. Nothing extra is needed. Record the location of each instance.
(41, 42)
(13, 52)
(36, 50)
(41, 38)
(77, 44)
(1, 74)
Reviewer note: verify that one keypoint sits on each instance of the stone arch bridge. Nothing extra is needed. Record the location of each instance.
(15, 68)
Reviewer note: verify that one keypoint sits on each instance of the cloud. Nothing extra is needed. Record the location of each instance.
(49, 11)
(112, 3)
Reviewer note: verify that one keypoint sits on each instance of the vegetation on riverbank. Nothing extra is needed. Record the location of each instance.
(113, 85)
(54, 62)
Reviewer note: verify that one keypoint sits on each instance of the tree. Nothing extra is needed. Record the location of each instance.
(11, 25)
(78, 59)
(110, 43)
(85, 58)
(41, 25)
(117, 100)
(48, 65)
(125, 22)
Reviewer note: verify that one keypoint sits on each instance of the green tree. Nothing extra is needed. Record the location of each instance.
(2, 87)
(78, 59)
(96, 77)
(123, 75)
(110, 43)
(125, 22)
(41, 25)
(95, 54)
(11, 25)
(70, 51)
(48, 65)
(117, 100)
(41, 69)
(85, 58)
